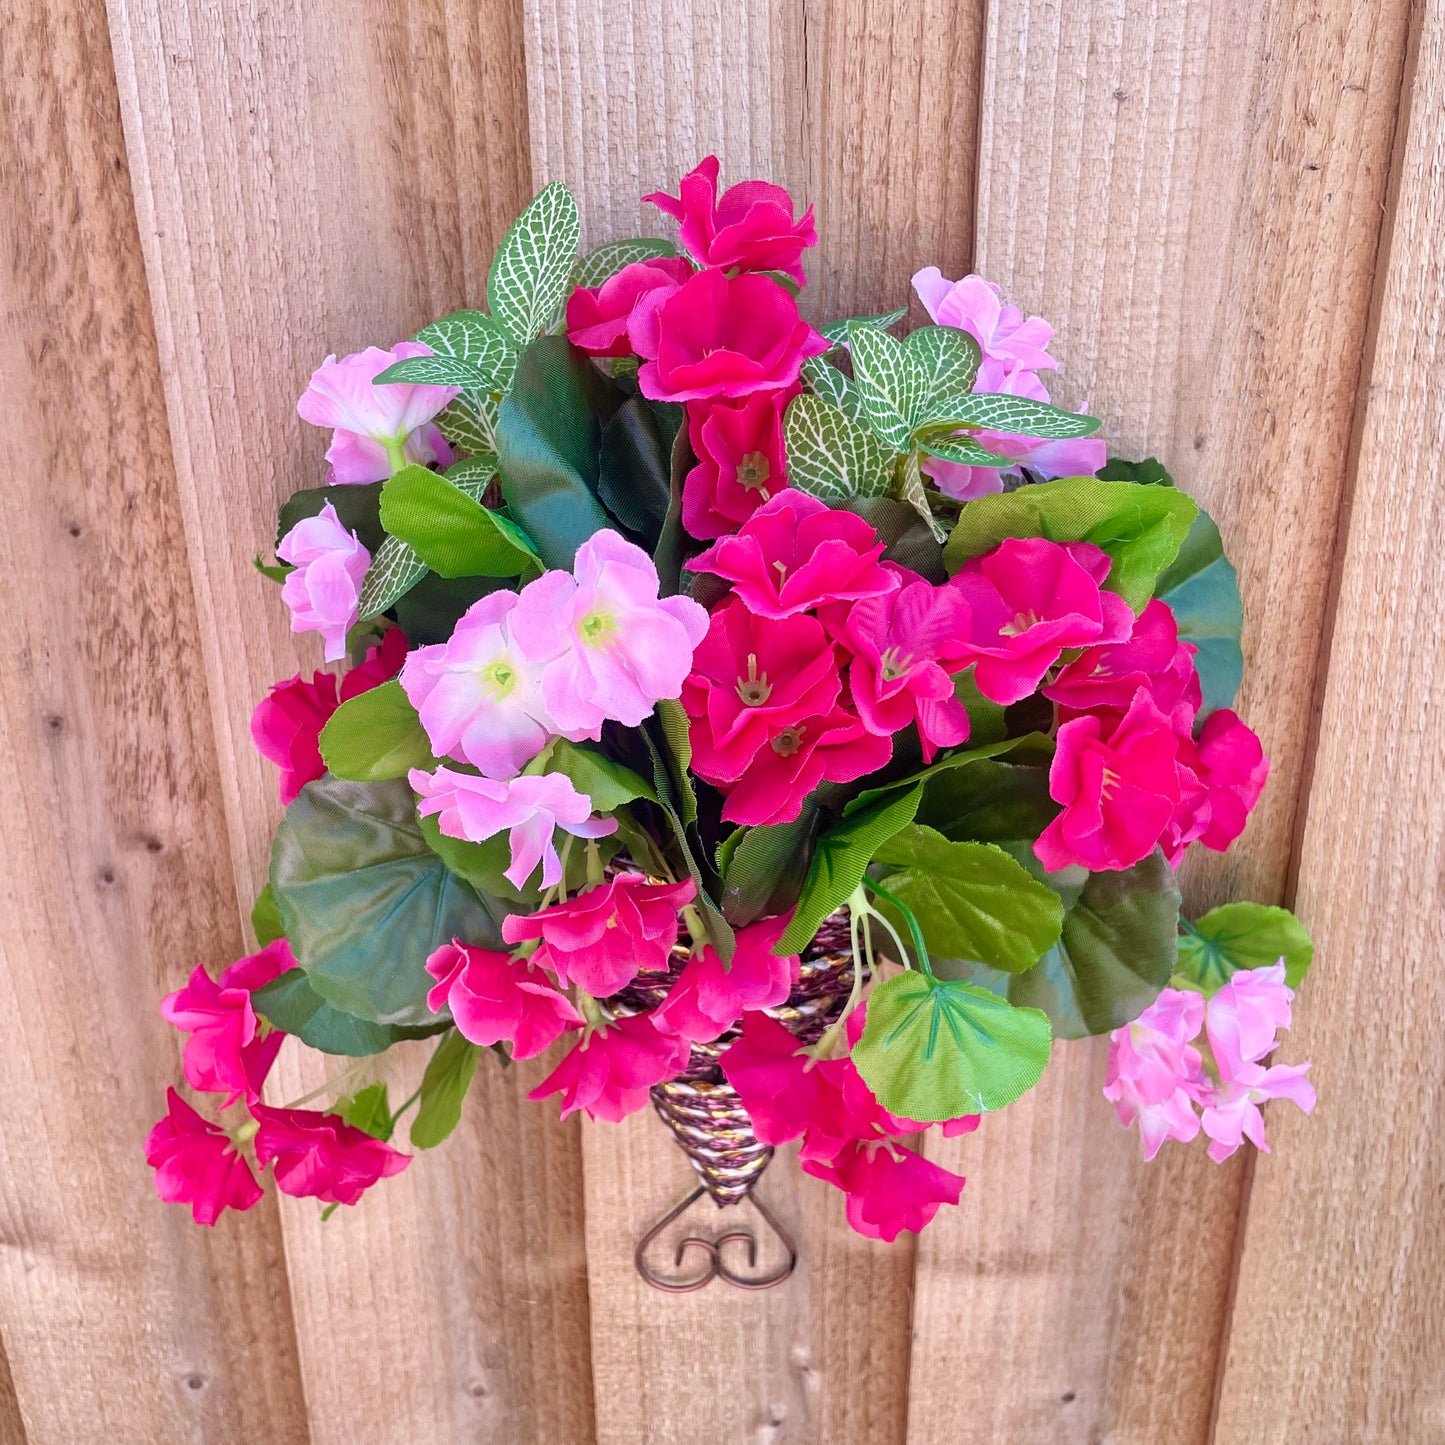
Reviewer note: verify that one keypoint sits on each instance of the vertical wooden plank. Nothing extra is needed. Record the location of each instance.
(868, 111)
(1192, 193)
(1339, 1321)
(121, 1320)
(313, 179)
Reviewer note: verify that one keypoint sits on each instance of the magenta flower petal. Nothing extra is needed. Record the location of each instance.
(196, 1163)
(320, 1156)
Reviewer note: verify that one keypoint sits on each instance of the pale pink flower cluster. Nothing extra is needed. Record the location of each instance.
(1158, 1079)
(324, 591)
(566, 654)
(1015, 350)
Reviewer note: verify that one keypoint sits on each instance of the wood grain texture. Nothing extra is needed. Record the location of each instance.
(868, 111)
(313, 179)
(1339, 1324)
(1192, 194)
(121, 1319)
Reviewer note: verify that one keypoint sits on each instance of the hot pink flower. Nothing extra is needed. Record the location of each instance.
(609, 1073)
(751, 228)
(1244, 1014)
(286, 726)
(320, 1156)
(784, 1096)
(597, 316)
(1155, 1076)
(752, 678)
(607, 646)
(478, 695)
(889, 1188)
(719, 336)
(323, 591)
(1119, 788)
(1007, 340)
(223, 1054)
(378, 428)
(495, 998)
(905, 644)
(795, 553)
(707, 998)
(527, 808)
(741, 461)
(1232, 1113)
(1232, 768)
(602, 938)
(1152, 657)
(196, 1163)
(1030, 599)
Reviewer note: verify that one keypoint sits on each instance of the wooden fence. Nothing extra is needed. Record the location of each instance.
(1234, 212)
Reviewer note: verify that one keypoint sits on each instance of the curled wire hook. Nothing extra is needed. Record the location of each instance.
(716, 1267)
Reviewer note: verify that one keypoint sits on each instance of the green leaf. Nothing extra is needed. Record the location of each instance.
(453, 534)
(395, 569)
(830, 456)
(364, 900)
(986, 720)
(1140, 527)
(840, 860)
(892, 385)
(763, 868)
(1244, 936)
(833, 387)
(368, 1110)
(908, 538)
(1202, 590)
(273, 572)
(837, 331)
(375, 735)
(950, 358)
(998, 411)
(430, 609)
(470, 425)
(634, 470)
(1150, 471)
(533, 265)
(963, 450)
(443, 1090)
(990, 801)
(1116, 952)
(479, 341)
(290, 1004)
(550, 448)
(473, 475)
(358, 509)
(435, 371)
(607, 783)
(676, 731)
(265, 921)
(970, 899)
(607, 260)
(934, 1050)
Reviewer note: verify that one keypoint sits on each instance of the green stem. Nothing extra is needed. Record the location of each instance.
(920, 948)
(331, 1086)
(402, 1108)
(696, 928)
(395, 453)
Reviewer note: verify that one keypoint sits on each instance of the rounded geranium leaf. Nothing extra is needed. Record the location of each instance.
(1244, 936)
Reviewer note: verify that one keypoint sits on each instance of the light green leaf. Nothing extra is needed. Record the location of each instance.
(369, 1110)
(830, 456)
(479, 341)
(265, 921)
(935, 1050)
(607, 260)
(837, 331)
(272, 571)
(950, 358)
(290, 1004)
(998, 411)
(607, 783)
(840, 860)
(531, 269)
(444, 1089)
(971, 899)
(1140, 527)
(394, 571)
(451, 532)
(1244, 936)
(892, 385)
(1202, 590)
(375, 735)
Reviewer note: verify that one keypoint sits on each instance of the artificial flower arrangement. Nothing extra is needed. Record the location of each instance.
(807, 722)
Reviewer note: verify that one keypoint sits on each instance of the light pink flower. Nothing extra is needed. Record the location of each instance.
(197, 1163)
(707, 998)
(478, 695)
(607, 646)
(1029, 599)
(1244, 1014)
(323, 591)
(223, 1054)
(321, 1156)
(609, 1073)
(604, 936)
(498, 999)
(1155, 1075)
(795, 553)
(889, 1188)
(1007, 340)
(1232, 1113)
(528, 809)
(377, 427)
(286, 726)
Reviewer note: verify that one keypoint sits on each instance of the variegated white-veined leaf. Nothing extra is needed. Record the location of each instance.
(478, 340)
(472, 426)
(892, 386)
(831, 456)
(951, 447)
(951, 359)
(533, 265)
(393, 572)
(998, 411)
(607, 260)
(837, 331)
(912, 491)
(435, 371)
(473, 475)
(830, 383)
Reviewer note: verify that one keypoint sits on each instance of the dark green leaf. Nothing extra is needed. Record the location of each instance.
(375, 735)
(358, 509)
(1202, 591)
(368, 1110)
(444, 1090)
(453, 534)
(265, 921)
(1150, 472)
(934, 1050)
(364, 900)
(990, 801)
(634, 480)
(290, 1004)
(764, 867)
(909, 541)
(430, 609)
(1244, 936)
